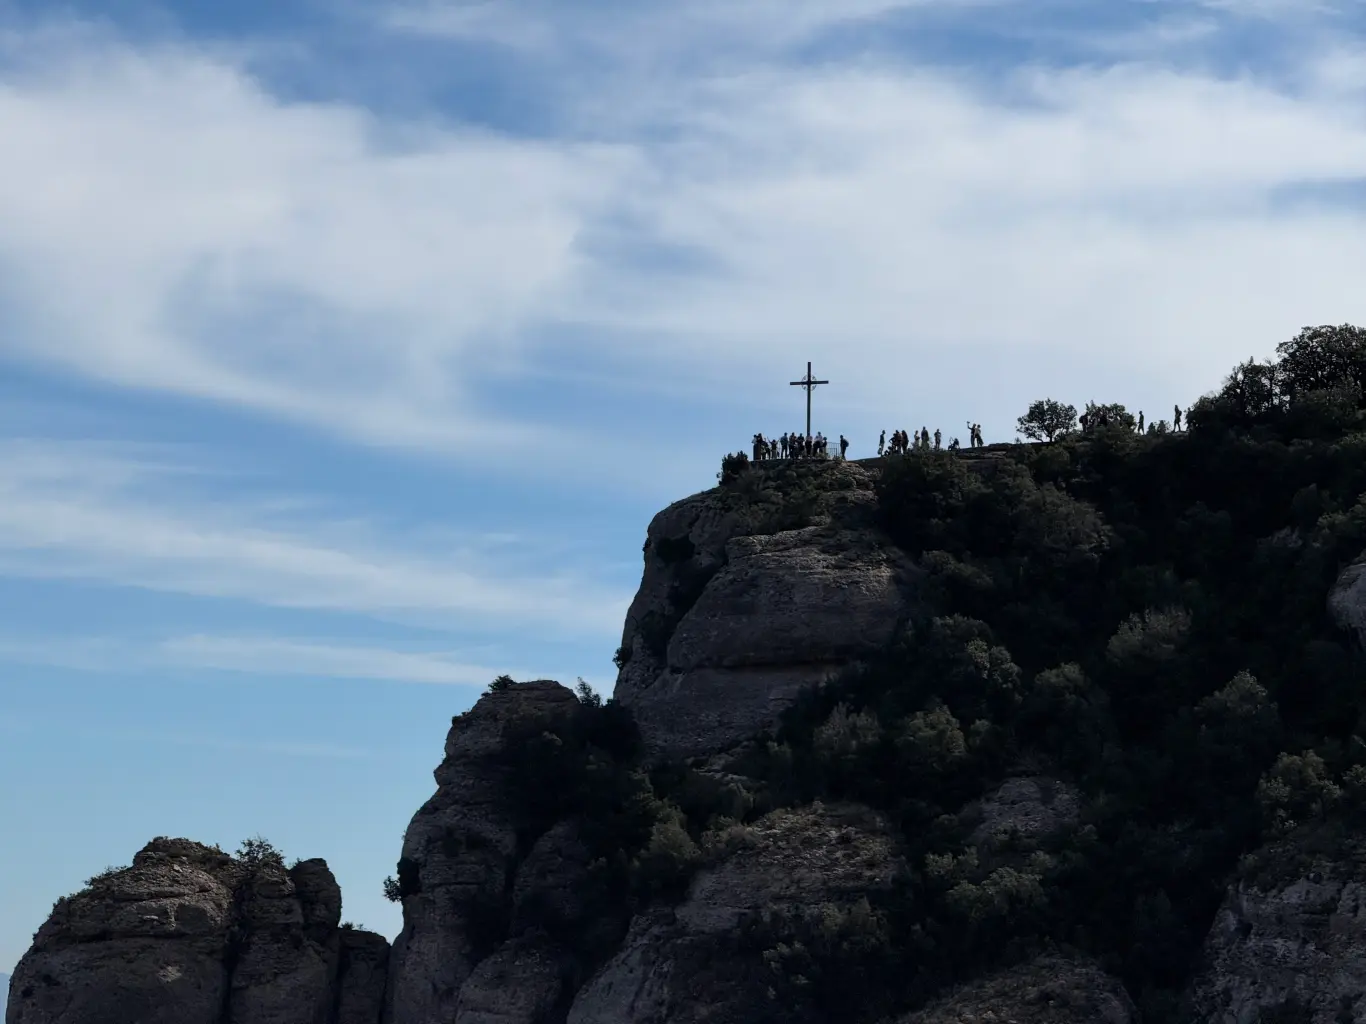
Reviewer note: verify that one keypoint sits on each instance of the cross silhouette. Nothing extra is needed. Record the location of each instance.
(809, 383)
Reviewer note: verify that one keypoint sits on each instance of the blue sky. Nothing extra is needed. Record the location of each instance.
(347, 348)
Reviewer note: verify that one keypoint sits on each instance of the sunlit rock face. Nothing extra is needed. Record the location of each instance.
(738, 611)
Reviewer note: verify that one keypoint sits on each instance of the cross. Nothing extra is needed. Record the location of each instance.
(809, 383)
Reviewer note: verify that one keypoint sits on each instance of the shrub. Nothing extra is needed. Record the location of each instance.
(257, 852)
(733, 466)
(501, 683)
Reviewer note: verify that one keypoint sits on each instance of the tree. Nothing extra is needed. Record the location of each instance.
(1322, 359)
(1046, 419)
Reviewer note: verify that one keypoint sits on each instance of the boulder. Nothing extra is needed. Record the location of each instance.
(681, 965)
(1289, 941)
(1050, 989)
(460, 856)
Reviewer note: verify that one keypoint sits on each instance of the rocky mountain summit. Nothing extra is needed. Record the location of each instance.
(1024, 734)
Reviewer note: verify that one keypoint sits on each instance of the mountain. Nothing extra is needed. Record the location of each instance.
(1054, 732)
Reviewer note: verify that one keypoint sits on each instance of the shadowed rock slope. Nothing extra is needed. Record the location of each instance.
(1032, 733)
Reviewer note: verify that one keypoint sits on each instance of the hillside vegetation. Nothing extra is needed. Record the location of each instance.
(1143, 616)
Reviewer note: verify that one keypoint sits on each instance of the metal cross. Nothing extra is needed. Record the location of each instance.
(809, 383)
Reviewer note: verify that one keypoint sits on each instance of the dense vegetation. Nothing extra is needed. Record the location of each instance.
(1143, 615)
(1146, 615)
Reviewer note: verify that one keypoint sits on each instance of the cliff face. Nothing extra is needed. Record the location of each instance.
(751, 595)
(622, 903)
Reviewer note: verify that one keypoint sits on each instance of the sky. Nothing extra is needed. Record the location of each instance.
(347, 348)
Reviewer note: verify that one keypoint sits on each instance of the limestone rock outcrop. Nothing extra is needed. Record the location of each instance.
(698, 672)
(1050, 989)
(680, 965)
(188, 935)
(362, 971)
(460, 857)
(1289, 941)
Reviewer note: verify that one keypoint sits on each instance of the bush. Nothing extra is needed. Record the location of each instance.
(733, 466)
(257, 852)
(501, 683)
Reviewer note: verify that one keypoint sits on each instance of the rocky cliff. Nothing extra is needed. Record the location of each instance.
(752, 594)
(191, 935)
(666, 858)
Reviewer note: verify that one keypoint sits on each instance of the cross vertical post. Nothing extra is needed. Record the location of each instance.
(809, 383)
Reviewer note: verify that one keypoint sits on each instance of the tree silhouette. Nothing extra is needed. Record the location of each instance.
(1046, 419)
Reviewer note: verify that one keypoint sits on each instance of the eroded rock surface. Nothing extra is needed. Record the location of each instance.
(732, 622)
(148, 943)
(519, 984)
(187, 935)
(285, 971)
(1289, 942)
(1050, 989)
(460, 856)
(682, 965)
(363, 968)
(1033, 807)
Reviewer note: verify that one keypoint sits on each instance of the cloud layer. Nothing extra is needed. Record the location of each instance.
(126, 517)
(167, 223)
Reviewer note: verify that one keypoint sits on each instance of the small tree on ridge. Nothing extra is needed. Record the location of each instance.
(1046, 419)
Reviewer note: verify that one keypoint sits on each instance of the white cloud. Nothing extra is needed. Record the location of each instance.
(164, 223)
(79, 512)
(173, 225)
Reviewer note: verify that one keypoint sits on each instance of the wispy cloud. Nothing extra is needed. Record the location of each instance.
(262, 655)
(71, 511)
(267, 656)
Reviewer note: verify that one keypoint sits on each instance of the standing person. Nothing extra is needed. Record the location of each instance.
(782, 444)
(881, 443)
(1176, 417)
(844, 447)
(1140, 421)
(938, 439)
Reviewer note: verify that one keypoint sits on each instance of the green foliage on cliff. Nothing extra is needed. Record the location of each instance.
(1141, 616)
(1144, 615)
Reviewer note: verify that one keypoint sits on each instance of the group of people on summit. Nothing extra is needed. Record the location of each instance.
(922, 441)
(817, 446)
(795, 446)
